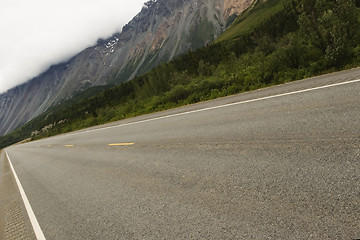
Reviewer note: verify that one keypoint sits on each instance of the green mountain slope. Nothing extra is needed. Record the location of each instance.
(276, 41)
(248, 21)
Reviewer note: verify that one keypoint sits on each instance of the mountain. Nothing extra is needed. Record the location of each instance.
(161, 31)
(272, 42)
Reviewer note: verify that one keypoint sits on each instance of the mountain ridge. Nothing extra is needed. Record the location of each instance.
(162, 30)
(272, 42)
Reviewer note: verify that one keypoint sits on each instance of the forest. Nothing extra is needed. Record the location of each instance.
(296, 40)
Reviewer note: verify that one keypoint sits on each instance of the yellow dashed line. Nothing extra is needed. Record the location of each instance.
(121, 144)
(69, 145)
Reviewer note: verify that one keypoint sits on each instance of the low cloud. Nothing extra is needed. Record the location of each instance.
(36, 34)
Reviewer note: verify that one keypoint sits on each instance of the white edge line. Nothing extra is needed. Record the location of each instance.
(221, 106)
(35, 224)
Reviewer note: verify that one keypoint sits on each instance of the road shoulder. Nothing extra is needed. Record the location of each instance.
(14, 222)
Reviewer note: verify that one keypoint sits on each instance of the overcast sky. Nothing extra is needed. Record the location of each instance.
(38, 33)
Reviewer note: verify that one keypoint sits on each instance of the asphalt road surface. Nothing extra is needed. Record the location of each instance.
(277, 163)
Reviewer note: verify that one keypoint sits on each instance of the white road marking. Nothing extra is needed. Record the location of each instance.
(37, 229)
(221, 106)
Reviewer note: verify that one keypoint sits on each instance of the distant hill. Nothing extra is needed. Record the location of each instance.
(161, 31)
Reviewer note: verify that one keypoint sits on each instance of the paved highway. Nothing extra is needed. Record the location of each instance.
(277, 163)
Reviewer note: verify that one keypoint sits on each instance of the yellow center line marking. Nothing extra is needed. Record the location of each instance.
(121, 144)
(69, 145)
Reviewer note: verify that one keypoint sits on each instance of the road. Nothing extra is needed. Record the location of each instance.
(277, 163)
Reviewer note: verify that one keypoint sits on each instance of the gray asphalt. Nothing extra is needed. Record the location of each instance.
(286, 167)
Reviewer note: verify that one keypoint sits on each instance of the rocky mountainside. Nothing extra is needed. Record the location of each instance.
(161, 31)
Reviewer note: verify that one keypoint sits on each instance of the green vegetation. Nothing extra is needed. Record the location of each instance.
(273, 43)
